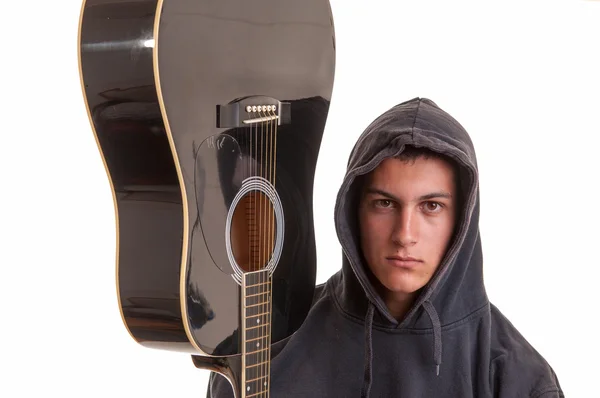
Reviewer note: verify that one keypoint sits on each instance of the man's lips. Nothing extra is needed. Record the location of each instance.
(405, 262)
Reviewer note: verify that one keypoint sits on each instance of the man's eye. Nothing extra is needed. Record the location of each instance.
(383, 203)
(433, 206)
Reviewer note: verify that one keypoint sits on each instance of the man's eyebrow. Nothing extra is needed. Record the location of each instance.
(432, 195)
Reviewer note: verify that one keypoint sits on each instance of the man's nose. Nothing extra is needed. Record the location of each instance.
(406, 228)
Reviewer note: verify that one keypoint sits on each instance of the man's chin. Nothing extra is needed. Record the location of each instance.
(403, 287)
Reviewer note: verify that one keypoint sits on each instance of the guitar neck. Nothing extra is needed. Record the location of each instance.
(256, 334)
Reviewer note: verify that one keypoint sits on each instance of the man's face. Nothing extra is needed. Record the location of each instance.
(407, 210)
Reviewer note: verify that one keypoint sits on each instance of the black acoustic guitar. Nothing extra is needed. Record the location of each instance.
(209, 115)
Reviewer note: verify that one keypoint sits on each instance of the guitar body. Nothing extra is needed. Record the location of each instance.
(209, 115)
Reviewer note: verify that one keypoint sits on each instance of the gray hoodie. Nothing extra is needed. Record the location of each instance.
(452, 343)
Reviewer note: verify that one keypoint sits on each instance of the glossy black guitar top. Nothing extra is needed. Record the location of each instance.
(208, 117)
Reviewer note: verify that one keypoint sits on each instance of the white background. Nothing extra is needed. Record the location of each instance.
(521, 76)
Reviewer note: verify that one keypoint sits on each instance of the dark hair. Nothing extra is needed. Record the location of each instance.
(411, 153)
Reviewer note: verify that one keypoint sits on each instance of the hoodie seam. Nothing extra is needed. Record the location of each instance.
(412, 129)
(448, 327)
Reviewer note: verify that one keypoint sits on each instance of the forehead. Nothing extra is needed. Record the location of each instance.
(415, 177)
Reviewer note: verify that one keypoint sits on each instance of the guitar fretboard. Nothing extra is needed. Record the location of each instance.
(256, 318)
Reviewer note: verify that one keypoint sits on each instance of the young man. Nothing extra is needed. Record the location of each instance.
(407, 315)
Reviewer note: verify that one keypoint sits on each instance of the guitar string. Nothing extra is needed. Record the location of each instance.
(248, 165)
(257, 168)
(263, 174)
(266, 353)
(258, 225)
(270, 295)
(250, 214)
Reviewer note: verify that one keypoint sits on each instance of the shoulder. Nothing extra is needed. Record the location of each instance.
(321, 292)
(516, 367)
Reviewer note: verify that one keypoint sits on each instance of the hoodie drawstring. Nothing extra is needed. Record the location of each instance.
(368, 376)
(437, 344)
(437, 334)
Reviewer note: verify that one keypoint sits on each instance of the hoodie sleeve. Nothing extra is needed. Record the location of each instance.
(523, 375)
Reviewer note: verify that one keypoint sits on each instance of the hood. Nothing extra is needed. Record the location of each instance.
(456, 289)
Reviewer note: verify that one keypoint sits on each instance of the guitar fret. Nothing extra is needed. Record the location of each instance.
(259, 378)
(259, 314)
(258, 310)
(254, 365)
(254, 312)
(249, 328)
(258, 285)
(256, 338)
(257, 294)
(255, 305)
(256, 344)
(255, 352)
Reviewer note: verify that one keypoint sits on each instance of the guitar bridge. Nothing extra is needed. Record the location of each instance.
(251, 110)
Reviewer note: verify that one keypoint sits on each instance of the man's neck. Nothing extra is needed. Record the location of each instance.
(398, 304)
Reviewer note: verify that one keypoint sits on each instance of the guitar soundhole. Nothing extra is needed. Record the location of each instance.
(253, 231)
